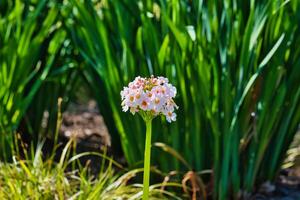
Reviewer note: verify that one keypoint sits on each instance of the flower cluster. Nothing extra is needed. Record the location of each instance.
(153, 96)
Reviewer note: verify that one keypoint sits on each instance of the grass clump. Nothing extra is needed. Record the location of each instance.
(37, 177)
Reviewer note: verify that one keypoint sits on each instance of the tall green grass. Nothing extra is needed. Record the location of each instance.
(63, 81)
(30, 39)
(236, 66)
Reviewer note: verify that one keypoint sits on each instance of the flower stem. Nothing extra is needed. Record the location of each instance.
(147, 160)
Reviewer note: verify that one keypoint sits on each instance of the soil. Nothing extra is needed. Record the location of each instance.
(86, 125)
(286, 187)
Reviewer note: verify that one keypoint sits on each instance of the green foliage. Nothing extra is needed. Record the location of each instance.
(27, 51)
(236, 66)
(37, 177)
(63, 80)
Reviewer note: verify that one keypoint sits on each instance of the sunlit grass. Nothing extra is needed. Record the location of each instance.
(46, 178)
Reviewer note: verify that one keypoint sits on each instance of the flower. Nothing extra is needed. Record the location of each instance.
(150, 97)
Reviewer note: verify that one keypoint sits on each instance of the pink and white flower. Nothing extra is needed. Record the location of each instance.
(153, 96)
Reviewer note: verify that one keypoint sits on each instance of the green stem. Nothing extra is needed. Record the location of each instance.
(147, 160)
